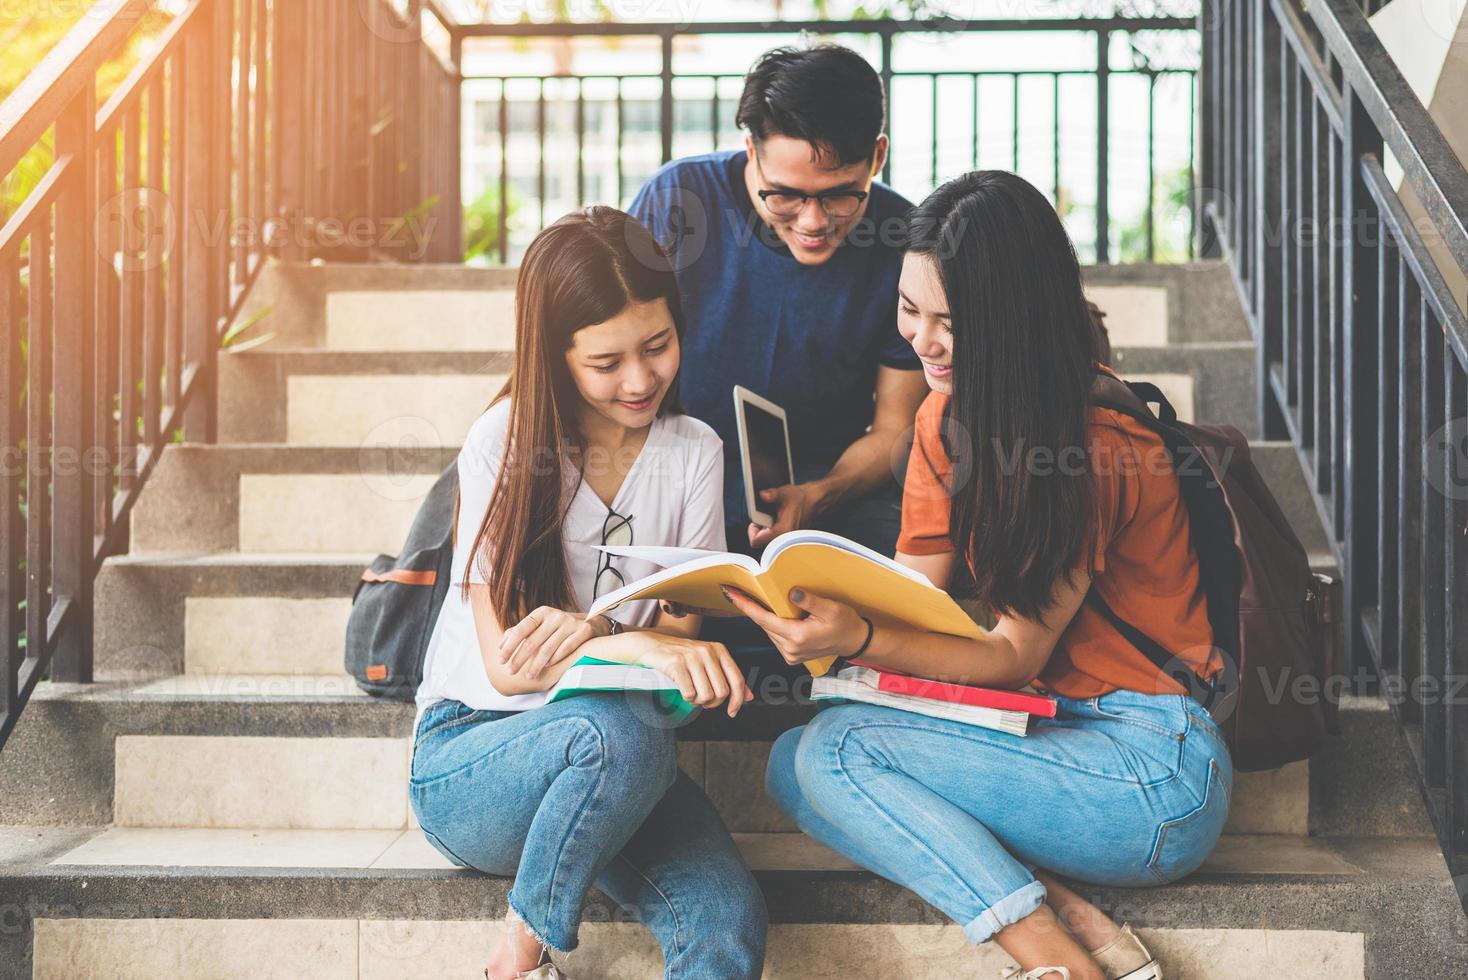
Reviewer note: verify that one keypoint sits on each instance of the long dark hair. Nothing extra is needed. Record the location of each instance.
(1023, 352)
(582, 270)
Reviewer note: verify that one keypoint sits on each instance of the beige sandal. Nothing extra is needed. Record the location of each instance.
(1126, 958)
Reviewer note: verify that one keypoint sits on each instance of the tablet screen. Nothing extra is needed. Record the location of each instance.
(769, 459)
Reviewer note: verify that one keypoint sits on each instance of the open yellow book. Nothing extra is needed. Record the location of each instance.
(821, 563)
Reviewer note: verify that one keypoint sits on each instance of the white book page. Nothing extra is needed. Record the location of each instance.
(662, 557)
(711, 559)
(790, 538)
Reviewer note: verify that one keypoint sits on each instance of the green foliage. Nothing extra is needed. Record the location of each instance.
(482, 220)
(1170, 224)
(30, 29)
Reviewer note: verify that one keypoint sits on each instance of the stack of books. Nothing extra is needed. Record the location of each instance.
(987, 707)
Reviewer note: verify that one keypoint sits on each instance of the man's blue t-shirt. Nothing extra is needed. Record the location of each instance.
(809, 338)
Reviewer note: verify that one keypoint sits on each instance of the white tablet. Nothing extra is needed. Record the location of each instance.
(764, 449)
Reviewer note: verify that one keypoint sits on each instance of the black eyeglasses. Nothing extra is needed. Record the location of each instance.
(789, 203)
(616, 530)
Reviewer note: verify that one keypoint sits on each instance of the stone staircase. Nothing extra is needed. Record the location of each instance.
(225, 803)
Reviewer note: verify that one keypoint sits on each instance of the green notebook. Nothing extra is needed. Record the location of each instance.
(589, 675)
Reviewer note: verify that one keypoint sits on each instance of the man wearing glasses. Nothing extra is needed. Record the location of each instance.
(787, 255)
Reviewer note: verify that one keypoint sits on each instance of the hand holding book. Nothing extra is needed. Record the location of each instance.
(828, 629)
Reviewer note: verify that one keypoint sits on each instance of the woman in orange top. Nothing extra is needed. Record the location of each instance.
(1041, 495)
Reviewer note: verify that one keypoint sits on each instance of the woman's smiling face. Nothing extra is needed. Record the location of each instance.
(624, 366)
(924, 321)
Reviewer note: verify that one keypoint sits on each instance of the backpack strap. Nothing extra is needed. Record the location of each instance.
(1151, 649)
(1133, 398)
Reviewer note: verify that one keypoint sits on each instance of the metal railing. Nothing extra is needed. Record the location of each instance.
(1363, 347)
(1031, 94)
(251, 127)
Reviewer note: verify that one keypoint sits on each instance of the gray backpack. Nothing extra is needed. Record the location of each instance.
(396, 603)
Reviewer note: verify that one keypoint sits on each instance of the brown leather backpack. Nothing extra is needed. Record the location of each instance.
(1273, 618)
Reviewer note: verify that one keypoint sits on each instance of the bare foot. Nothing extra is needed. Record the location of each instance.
(1092, 927)
(1040, 940)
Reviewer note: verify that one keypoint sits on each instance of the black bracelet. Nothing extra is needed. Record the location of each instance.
(867, 642)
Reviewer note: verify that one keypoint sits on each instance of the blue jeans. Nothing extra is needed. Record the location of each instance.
(584, 791)
(1124, 789)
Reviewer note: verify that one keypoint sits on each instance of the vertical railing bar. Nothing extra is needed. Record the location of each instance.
(1054, 136)
(580, 142)
(540, 150)
(1192, 193)
(201, 209)
(1103, 145)
(172, 343)
(39, 444)
(1456, 581)
(504, 215)
(154, 305)
(12, 526)
(665, 102)
(261, 111)
(222, 157)
(1435, 551)
(1014, 122)
(1357, 456)
(74, 523)
(884, 69)
(974, 77)
(1408, 559)
(130, 336)
(107, 297)
(1151, 165)
(1390, 291)
(1303, 290)
(1289, 141)
(1321, 334)
(240, 162)
(1340, 299)
(714, 116)
(933, 129)
(618, 151)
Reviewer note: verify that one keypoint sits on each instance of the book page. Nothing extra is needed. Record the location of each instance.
(791, 538)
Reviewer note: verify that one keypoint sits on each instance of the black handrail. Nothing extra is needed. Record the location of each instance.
(1363, 341)
(241, 135)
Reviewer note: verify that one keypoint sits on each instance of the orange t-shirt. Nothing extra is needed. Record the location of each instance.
(1145, 567)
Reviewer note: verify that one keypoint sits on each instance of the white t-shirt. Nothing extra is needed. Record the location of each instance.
(672, 495)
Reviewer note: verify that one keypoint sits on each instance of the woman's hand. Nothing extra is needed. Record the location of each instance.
(546, 637)
(828, 628)
(705, 672)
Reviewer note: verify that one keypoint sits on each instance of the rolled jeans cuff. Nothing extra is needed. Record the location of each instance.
(1007, 911)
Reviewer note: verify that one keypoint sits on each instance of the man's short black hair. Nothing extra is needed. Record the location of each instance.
(827, 95)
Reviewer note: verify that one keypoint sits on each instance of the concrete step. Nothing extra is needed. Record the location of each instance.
(346, 398)
(1198, 301)
(216, 750)
(151, 902)
(224, 612)
(450, 307)
(273, 498)
(352, 306)
(303, 499)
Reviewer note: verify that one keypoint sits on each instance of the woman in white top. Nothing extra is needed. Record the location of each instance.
(585, 445)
